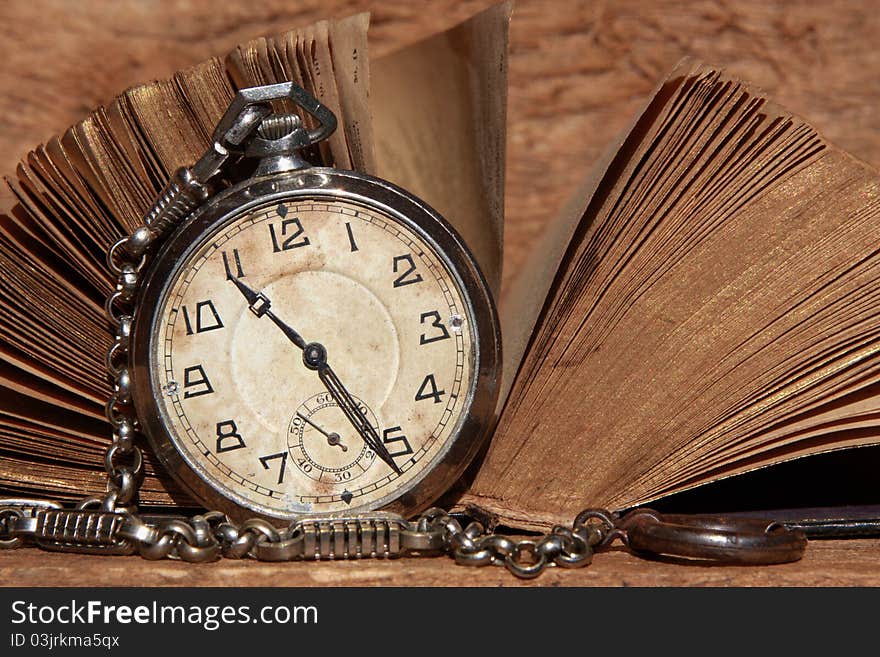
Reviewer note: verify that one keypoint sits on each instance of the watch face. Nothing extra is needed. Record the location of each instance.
(313, 352)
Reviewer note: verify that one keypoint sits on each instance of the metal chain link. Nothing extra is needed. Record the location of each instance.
(211, 536)
(566, 547)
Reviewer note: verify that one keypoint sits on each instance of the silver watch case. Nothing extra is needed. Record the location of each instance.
(477, 418)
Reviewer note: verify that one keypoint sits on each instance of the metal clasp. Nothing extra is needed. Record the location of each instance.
(376, 535)
(81, 530)
(711, 538)
(257, 99)
(52, 527)
(248, 127)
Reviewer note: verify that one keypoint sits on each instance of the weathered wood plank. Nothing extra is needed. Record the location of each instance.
(827, 563)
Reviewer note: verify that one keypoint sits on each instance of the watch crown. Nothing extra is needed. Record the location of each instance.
(277, 141)
(277, 126)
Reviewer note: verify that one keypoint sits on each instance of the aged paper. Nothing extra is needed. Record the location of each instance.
(439, 113)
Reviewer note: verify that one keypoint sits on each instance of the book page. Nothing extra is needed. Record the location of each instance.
(525, 295)
(351, 61)
(439, 114)
(330, 60)
(715, 312)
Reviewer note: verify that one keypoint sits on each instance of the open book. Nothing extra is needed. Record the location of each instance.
(705, 305)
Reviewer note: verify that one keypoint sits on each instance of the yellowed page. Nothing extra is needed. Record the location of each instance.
(439, 115)
(724, 278)
(351, 63)
(523, 298)
(321, 70)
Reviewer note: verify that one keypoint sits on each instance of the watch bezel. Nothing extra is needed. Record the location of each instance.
(478, 416)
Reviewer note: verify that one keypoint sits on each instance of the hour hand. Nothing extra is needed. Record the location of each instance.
(259, 304)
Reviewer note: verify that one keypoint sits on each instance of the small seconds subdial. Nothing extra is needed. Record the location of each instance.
(323, 444)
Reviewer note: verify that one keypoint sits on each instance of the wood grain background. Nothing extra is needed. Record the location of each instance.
(578, 71)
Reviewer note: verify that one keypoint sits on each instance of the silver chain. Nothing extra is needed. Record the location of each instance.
(211, 536)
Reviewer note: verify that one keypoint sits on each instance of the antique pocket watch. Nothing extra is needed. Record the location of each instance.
(306, 340)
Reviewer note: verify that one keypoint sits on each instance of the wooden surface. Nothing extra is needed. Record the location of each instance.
(827, 563)
(578, 71)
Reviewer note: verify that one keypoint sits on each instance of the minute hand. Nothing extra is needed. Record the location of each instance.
(353, 413)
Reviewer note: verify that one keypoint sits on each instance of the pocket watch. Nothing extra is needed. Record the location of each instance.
(306, 340)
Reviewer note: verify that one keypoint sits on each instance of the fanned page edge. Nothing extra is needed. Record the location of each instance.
(523, 300)
(568, 226)
(162, 489)
(267, 60)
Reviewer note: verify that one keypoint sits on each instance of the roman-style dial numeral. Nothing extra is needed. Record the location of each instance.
(404, 263)
(235, 270)
(291, 230)
(351, 241)
(402, 446)
(441, 334)
(207, 318)
(195, 382)
(228, 438)
(428, 390)
(272, 457)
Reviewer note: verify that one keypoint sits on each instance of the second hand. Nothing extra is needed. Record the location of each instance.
(332, 438)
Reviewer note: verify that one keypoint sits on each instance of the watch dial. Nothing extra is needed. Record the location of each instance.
(312, 356)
